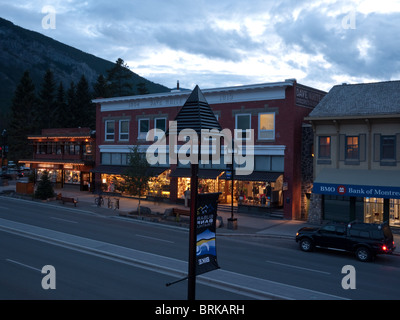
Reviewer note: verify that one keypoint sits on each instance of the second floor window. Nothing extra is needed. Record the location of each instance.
(266, 126)
(388, 147)
(124, 130)
(352, 148)
(160, 124)
(243, 122)
(110, 130)
(324, 148)
(144, 126)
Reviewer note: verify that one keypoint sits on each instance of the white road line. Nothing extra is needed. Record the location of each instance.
(296, 267)
(65, 220)
(152, 238)
(24, 265)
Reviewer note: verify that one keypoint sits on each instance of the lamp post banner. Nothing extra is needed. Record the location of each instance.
(206, 255)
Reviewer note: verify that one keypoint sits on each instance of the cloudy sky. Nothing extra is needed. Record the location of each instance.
(228, 42)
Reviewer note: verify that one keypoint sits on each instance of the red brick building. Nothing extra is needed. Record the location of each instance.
(67, 154)
(275, 111)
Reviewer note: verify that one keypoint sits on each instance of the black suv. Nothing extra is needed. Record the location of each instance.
(366, 240)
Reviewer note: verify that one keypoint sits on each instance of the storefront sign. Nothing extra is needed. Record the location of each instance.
(206, 255)
(357, 191)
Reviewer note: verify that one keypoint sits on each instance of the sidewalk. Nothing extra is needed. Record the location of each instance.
(247, 224)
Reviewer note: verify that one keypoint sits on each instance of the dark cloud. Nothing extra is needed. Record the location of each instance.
(371, 49)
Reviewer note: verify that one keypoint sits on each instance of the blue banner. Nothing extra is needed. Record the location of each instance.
(206, 253)
(357, 190)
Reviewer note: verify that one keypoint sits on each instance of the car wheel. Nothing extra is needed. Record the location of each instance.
(306, 244)
(363, 254)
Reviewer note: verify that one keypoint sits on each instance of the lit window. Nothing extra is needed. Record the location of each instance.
(324, 148)
(266, 126)
(352, 148)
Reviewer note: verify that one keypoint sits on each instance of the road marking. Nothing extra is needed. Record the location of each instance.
(152, 238)
(24, 265)
(296, 267)
(65, 220)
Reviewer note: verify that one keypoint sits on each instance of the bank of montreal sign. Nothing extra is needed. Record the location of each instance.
(357, 190)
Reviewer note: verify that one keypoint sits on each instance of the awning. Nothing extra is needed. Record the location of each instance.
(358, 183)
(264, 176)
(202, 174)
(120, 170)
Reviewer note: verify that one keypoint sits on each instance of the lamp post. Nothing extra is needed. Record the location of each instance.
(196, 114)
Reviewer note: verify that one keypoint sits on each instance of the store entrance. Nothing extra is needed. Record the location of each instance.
(374, 211)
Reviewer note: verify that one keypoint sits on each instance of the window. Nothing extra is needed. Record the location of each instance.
(243, 122)
(266, 126)
(160, 124)
(352, 150)
(144, 126)
(388, 150)
(110, 130)
(324, 148)
(124, 130)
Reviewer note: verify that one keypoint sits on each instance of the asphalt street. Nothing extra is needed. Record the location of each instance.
(270, 267)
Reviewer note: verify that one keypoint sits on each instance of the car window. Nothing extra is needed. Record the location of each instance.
(328, 229)
(359, 233)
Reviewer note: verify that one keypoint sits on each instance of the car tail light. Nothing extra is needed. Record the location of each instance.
(384, 248)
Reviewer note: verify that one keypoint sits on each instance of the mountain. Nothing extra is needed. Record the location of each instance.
(22, 49)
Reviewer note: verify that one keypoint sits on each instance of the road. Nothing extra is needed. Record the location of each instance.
(115, 258)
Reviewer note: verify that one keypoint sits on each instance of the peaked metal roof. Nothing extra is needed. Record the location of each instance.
(196, 114)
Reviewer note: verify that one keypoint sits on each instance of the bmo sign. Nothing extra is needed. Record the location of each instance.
(341, 190)
(332, 189)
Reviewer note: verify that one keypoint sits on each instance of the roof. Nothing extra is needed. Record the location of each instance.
(379, 98)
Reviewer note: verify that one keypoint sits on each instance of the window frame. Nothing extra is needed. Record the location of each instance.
(120, 133)
(348, 146)
(245, 132)
(382, 146)
(142, 135)
(266, 130)
(107, 136)
(328, 146)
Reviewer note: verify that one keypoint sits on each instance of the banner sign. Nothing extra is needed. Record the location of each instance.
(357, 190)
(206, 255)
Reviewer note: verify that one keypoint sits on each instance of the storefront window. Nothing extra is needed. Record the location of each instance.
(72, 176)
(374, 209)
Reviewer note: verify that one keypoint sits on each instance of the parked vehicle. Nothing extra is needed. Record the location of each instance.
(366, 240)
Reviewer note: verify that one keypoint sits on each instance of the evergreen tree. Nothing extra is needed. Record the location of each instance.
(119, 79)
(100, 88)
(22, 122)
(60, 107)
(45, 188)
(46, 108)
(71, 108)
(87, 111)
(142, 89)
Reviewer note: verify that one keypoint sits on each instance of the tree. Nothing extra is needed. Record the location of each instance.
(119, 79)
(60, 107)
(46, 108)
(69, 116)
(136, 175)
(142, 89)
(86, 116)
(21, 123)
(45, 188)
(100, 88)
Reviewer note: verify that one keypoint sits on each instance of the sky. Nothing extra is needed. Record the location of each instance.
(228, 42)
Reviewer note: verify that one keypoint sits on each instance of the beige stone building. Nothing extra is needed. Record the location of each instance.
(357, 154)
